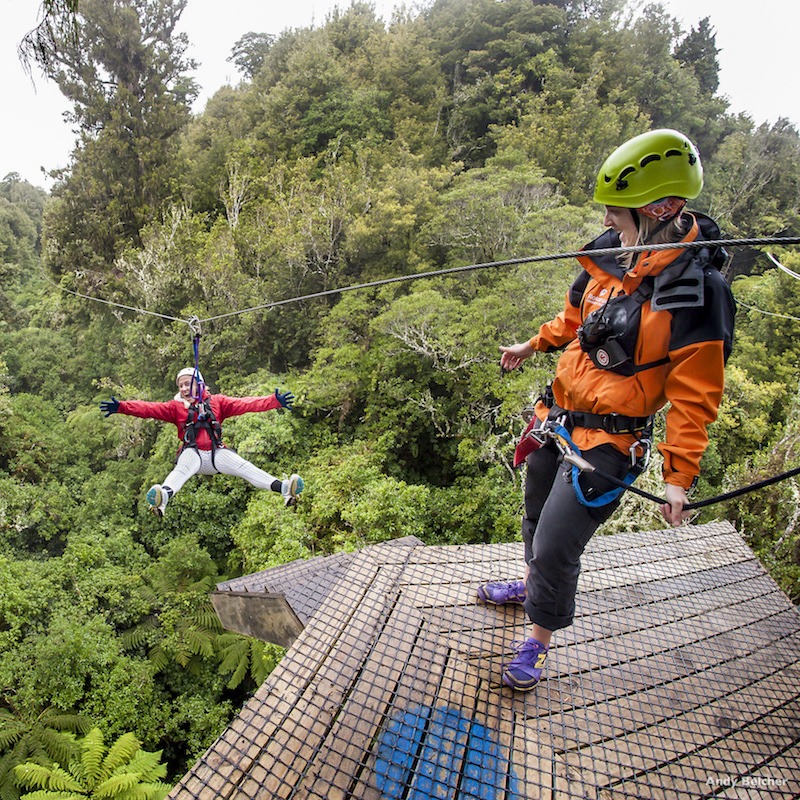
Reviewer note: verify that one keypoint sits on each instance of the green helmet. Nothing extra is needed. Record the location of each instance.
(653, 165)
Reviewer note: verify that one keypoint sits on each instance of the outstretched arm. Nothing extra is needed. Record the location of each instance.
(514, 355)
(109, 407)
(166, 412)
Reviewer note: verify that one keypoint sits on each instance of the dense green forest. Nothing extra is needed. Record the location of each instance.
(465, 133)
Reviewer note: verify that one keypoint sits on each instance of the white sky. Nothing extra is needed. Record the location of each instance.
(757, 61)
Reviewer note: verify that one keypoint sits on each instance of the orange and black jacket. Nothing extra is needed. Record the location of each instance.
(686, 333)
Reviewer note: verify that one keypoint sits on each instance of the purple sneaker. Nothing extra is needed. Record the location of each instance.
(502, 592)
(524, 672)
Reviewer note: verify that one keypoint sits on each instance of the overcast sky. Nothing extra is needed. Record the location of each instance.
(757, 60)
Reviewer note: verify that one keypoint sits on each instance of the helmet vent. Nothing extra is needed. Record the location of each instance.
(621, 182)
(673, 153)
(649, 159)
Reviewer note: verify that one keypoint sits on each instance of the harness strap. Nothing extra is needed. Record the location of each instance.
(565, 443)
(610, 423)
(203, 419)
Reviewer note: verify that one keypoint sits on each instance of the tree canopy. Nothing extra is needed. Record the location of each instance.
(466, 132)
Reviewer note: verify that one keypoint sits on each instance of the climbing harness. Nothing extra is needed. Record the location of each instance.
(556, 428)
(538, 433)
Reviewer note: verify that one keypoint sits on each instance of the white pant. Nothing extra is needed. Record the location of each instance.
(193, 462)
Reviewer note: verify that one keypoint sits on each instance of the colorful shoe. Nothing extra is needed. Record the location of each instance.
(157, 498)
(290, 488)
(502, 592)
(525, 671)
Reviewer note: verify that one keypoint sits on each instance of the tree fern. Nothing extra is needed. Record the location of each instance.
(122, 772)
(41, 737)
(121, 752)
(90, 767)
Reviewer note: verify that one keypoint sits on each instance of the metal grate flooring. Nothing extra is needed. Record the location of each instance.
(679, 679)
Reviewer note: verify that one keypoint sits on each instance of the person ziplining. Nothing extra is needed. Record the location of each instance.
(198, 416)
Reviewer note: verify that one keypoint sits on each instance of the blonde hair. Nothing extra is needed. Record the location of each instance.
(651, 231)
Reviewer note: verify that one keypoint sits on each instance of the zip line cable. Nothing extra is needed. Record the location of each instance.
(780, 266)
(113, 303)
(766, 313)
(780, 240)
(195, 322)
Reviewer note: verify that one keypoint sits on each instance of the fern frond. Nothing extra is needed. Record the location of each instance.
(121, 752)
(238, 675)
(9, 737)
(155, 790)
(199, 643)
(60, 721)
(207, 618)
(147, 765)
(60, 747)
(116, 785)
(31, 774)
(233, 654)
(138, 635)
(90, 766)
(62, 781)
(261, 662)
(44, 794)
(158, 658)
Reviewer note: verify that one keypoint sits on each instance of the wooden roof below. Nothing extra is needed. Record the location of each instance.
(679, 679)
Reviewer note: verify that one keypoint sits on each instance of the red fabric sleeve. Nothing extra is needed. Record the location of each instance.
(225, 407)
(171, 411)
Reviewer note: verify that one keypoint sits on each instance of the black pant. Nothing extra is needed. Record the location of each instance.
(557, 527)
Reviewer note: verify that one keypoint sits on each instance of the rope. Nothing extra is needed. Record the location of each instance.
(785, 240)
(752, 487)
(580, 464)
(603, 251)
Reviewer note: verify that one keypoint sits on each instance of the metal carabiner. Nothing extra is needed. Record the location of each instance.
(640, 462)
(194, 325)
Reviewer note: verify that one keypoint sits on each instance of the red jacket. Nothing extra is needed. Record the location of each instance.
(693, 342)
(175, 411)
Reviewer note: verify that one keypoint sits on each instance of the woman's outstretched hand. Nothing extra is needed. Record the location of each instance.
(514, 355)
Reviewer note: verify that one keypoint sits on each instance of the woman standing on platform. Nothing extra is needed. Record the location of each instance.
(637, 331)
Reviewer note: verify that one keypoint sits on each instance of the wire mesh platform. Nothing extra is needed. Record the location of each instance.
(679, 679)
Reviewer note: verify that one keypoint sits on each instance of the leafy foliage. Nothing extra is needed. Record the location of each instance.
(466, 133)
(122, 771)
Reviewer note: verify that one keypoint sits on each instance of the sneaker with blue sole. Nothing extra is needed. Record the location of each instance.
(290, 488)
(501, 593)
(157, 498)
(525, 670)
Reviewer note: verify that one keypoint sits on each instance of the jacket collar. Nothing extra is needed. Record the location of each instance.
(650, 263)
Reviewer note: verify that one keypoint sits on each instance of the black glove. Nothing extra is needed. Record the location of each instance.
(109, 406)
(286, 399)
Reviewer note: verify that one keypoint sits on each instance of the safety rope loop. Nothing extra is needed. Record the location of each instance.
(197, 378)
(566, 445)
